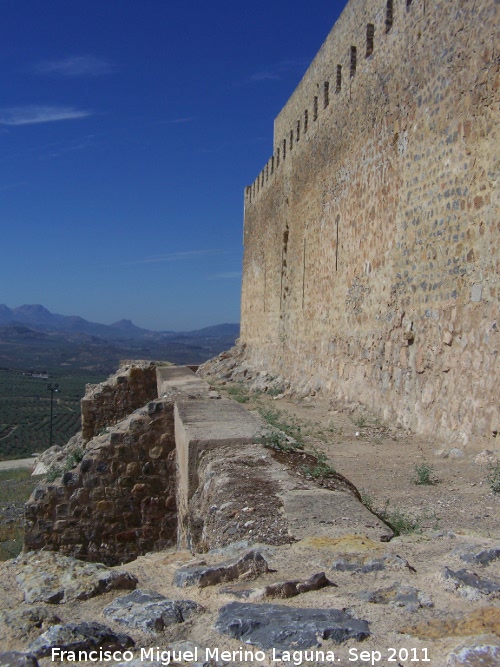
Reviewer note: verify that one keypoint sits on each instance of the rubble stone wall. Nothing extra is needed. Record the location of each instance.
(119, 502)
(372, 244)
(108, 402)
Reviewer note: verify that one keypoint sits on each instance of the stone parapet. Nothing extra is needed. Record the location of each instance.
(106, 403)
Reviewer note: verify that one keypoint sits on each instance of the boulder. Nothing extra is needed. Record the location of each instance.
(250, 564)
(280, 589)
(482, 652)
(79, 637)
(51, 577)
(16, 659)
(149, 611)
(282, 628)
(470, 585)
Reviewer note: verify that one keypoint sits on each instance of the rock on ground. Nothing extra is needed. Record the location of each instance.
(250, 564)
(17, 659)
(483, 652)
(470, 585)
(149, 611)
(275, 626)
(51, 577)
(79, 637)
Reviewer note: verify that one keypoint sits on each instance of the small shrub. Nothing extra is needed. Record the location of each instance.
(494, 477)
(360, 421)
(238, 393)
(424, 474)
(280, 421)
(53, 473)
(72, 460)
(321, 468)
(399, 521)
(367, 500)
(279, 442)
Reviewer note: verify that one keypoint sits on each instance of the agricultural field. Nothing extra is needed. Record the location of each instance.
(16, 486)
(25, 408)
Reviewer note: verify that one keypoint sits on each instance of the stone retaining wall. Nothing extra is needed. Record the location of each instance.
(119, 502)
(104, 404)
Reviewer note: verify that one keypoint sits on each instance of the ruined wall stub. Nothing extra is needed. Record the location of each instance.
(372, 241)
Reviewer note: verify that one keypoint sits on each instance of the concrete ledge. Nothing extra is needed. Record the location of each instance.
(179, 380)
(201, 425)
(322, 513)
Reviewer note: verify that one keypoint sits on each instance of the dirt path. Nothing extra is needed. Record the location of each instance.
(18, 463)
(385, 463)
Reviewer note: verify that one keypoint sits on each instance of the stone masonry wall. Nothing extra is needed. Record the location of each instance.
(372, 245)
(106, 403)
(119, 502)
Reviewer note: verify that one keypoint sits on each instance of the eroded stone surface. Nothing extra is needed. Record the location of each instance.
(17, 659)
(483, 557)
(280, 589)
(149, 611)
(249, 565)
(79, 636)
(25, 620)
(470, 585)
(50, 577)
(483, 652)
(276, 626)
(332, 514)
(399, 596)
(356, 563)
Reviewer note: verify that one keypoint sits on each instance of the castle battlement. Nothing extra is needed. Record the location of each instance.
(351, 52)
(372, 246)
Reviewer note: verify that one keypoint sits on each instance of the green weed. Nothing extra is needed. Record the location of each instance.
(367, 500)
(281, 421)
(494, 477)
(275, 391)
(399, 521)
(321, 468)
(238, 393)
(424, 474)
(360, 422)
(72, 460)
(279, 442)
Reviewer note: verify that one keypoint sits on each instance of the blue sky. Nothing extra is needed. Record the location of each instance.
(128, 131)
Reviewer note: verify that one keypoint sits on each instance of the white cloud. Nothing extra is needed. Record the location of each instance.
(173, 257)
(279, 70)
(75, 66)
(34, 114)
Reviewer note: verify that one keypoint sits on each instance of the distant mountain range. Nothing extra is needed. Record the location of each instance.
(39, 318)
(32, 335)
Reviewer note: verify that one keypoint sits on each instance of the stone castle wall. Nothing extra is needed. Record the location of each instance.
(372, 243)
(119, 501)
(106, 403)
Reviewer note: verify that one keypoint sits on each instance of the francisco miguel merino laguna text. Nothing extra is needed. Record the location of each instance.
(166, 657)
